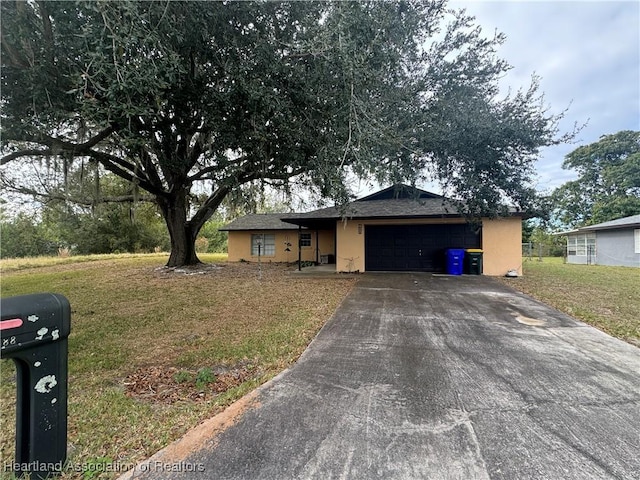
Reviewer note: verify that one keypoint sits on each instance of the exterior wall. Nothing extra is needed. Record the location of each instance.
(349, 247)
(501, 242)
(350, 243)
(502, 245)
(239, 246)
(326, 242)
(616, 247)
(577, 259)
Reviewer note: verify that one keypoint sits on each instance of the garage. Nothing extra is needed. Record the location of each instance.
(415, 247)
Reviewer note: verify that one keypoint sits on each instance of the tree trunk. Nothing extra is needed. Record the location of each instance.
(182, 232)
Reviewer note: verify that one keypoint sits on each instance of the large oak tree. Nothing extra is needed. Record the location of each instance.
(186, 98)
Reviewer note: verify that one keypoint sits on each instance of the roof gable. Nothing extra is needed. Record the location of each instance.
(398, 191)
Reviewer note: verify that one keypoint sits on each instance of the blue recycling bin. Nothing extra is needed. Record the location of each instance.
(455, 261)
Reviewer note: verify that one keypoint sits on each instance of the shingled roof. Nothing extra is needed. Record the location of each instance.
(397, 201)
(626, 222)
(370, 209)
(260, 221)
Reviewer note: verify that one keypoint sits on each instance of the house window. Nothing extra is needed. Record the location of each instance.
(263, 244)
(636, 237)
(581, 245)
(305, 239)
(572, 242)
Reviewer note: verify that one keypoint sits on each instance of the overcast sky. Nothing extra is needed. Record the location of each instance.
(587, 54)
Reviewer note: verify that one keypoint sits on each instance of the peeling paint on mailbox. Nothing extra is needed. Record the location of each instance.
(35, 329)
(45, 384)
(41, 333)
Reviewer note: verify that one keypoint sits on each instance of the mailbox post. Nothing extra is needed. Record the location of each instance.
(33, 333)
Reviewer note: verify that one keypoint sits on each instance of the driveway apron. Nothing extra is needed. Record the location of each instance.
(435, 377)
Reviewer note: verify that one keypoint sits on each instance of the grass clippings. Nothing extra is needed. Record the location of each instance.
(154, 351)
(605, 297)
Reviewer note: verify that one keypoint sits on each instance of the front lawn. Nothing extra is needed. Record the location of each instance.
(153, 352)
(606, 297)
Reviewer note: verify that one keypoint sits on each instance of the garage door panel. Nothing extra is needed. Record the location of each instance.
(414, 247)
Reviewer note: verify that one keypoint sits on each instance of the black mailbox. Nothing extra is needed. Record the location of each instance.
(33, 332)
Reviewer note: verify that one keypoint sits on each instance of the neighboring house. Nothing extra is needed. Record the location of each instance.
(610, 243)
(397, 229)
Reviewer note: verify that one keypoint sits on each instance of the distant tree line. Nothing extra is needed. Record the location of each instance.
(109, 229)
(537, 241)
(59, 227)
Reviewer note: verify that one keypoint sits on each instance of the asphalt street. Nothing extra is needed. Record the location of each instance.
(419, 376)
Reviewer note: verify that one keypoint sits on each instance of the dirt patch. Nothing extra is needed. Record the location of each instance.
(167, 385)
(200, 269)
(233, 270)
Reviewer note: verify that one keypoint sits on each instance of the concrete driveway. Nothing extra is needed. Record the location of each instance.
(431, 377)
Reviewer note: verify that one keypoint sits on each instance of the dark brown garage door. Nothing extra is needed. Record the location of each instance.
(414, 247)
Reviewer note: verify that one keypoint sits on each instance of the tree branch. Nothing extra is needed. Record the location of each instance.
(209, 207)
(103, 135)
(25, 153)
(149, 168)
(118, 166)
(114, 164)
(212, 203)
(57, 146)
(75, 149)
(78, 200)
(200, 175)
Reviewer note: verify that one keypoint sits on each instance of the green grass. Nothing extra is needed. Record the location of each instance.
(606, 297)
(12, 264)
(129, 314)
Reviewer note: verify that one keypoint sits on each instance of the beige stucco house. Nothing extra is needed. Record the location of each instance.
(397, 229)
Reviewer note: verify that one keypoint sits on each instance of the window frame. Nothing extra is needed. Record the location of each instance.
(268, 244)
(581, 245)
(305, 240)
(572, 245)
(636, 240)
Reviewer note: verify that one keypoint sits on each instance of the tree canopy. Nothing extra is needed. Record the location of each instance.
(189, 101)
(608, 183)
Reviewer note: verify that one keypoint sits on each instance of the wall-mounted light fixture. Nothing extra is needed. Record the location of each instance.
(359, 229)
